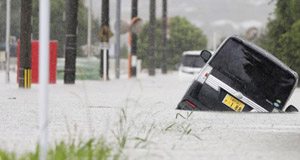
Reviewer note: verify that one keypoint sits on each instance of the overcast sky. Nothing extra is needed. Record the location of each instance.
(224, 17)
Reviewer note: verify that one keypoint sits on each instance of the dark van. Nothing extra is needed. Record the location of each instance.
(241, 77)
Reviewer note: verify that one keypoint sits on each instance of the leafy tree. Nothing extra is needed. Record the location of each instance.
(184, 36)
(291, 46)
(58, 25)
(283, 33)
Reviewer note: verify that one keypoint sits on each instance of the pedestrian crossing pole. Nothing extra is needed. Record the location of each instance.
(132, 58)
(105, 34)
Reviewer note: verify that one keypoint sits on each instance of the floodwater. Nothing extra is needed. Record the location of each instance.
(92, 109)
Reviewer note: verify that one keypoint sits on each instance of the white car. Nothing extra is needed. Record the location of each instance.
(190, 66)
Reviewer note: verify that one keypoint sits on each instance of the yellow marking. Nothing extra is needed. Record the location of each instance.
(29, 78)
(25, 78)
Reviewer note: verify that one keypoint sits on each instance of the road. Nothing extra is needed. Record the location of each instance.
(93, 109)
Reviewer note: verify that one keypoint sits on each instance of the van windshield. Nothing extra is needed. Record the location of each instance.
(193, 61)
(253, 74)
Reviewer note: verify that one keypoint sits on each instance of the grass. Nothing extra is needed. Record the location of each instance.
(121, 133)
(99, 150)
(145, 141)
(184, 127)
(92, 149)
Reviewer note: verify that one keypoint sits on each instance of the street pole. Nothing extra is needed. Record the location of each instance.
(25, 45)
(71, 41)
(105, 50)
(214, 41)
(151, 49)
(89, 28)
(44, 38)
(118, 38)
(134, 13)
(104, 55)
(164, 38)
(8, 7)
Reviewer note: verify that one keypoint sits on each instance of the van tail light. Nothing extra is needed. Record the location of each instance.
(191, 104)
(206, 74)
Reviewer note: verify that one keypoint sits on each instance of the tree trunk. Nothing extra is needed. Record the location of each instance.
(25, 45)
(164, 38)
(71, 41)
(152, 48)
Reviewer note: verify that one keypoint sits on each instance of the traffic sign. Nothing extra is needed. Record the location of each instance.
(105, 33)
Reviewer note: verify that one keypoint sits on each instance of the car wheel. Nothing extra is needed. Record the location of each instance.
(291, 108)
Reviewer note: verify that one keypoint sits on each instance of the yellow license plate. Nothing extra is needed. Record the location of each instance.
(233, 103)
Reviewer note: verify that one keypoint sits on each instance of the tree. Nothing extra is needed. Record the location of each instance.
(71, 41)
(291, 46)
(164, 37)
(283, 33)
(57, 28)
(151, 42)
(58, 25)
(25, 44)
(184, 36)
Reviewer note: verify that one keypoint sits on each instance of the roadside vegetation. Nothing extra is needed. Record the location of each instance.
(127, 135)
(282, 35)
(58, 24)
(92, 149)
(182, 36)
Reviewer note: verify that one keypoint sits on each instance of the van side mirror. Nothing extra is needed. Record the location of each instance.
(205, 55)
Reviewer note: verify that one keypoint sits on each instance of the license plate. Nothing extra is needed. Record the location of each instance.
(233, 103)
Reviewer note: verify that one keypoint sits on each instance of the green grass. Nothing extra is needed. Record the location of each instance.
(99, 150)
(90, 150)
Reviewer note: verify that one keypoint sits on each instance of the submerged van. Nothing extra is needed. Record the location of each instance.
(191, 64)
(241, 77)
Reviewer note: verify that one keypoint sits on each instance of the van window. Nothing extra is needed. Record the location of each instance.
(258, 78)
(193, 61)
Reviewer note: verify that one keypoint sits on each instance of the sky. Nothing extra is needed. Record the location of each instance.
(215, 17)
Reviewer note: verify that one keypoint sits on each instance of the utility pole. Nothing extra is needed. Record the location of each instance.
(44, 38)
(164, 38)
(71, 41)
(133, 57)
(151, 49)
(89, 28)
(25, 45)
(118, 38)
(8, 5)
(104, 33)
